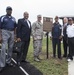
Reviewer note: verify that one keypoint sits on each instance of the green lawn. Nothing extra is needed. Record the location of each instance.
(49, 66)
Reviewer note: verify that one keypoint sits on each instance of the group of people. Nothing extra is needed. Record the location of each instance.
(9, 30)
(23, 29)
(63, 32)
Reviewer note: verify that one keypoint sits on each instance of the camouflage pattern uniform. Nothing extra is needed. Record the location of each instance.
(37, 33)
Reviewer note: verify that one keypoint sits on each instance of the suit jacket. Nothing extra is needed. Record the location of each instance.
(23, 30)
(64, 32)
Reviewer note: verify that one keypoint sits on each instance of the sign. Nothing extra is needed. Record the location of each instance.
(47, 24)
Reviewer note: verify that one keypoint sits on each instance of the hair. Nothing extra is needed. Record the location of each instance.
(65, 18)
(39, 15)
(26, 12)
(56, 17)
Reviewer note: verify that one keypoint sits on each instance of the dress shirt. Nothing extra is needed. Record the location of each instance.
(65, 25)
(28, 23)
(63, 29)
(70, 31)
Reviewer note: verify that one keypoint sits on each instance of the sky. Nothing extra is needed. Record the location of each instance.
(47, 8)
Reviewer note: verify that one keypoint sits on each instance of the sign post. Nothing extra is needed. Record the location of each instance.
(47, 44)
(47, 27)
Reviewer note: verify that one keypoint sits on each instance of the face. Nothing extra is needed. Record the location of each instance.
(71, 22)
(56, 19)
(9, 12)
(26, 15)
(65, 20)
(39, 19)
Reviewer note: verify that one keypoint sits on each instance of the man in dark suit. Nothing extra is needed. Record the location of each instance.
(65, 43)
(23, 35)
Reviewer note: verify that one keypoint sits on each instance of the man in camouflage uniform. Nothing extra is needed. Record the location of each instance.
(37, 33)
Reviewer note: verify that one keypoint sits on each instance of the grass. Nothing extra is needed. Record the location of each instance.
(48, 66)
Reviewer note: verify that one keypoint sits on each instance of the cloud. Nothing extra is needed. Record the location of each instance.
(45, 7)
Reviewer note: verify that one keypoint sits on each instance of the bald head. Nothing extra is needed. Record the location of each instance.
(56, 18)
(26, 15)
(65, 20)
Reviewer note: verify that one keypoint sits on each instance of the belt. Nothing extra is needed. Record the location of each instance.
(9, 29)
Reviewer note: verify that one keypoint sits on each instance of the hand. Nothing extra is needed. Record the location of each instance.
(60, 37)
(50, 38)
(18, 39)
(15, 38)
(0, 39)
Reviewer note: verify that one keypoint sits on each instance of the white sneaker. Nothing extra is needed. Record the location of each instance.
(69, 60)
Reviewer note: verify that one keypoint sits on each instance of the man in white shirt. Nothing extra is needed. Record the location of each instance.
(70, 35)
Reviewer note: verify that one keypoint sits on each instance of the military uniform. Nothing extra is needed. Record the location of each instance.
(37, 33)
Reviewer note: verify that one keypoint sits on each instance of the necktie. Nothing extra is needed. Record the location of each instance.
(28, 23)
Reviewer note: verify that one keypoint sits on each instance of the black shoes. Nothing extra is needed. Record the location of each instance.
(10, 65)
(60, 58)
(25, 61)
(64, 56)
(1, 69)
(18, 63)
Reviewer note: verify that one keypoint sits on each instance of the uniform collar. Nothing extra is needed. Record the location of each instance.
(8, 16)
(56, 22)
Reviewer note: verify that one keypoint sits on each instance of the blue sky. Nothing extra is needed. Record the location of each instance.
(47, 8)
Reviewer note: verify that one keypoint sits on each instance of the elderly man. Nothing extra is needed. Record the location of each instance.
(65, 39)
(7, 28)
(23, 35)
(37, 33)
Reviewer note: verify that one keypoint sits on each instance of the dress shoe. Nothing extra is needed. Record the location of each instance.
(64, 56)
(18, 63)
(25, 61)
(10, 65)
(60, 58)
(1, 69)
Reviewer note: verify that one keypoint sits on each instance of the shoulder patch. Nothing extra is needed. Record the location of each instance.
(2, 18)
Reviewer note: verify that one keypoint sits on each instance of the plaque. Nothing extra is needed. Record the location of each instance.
(47, 24)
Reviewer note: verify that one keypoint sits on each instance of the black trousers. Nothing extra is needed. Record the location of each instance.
(56, 42)
(65, 45)
(22, 55)
(71, 47)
